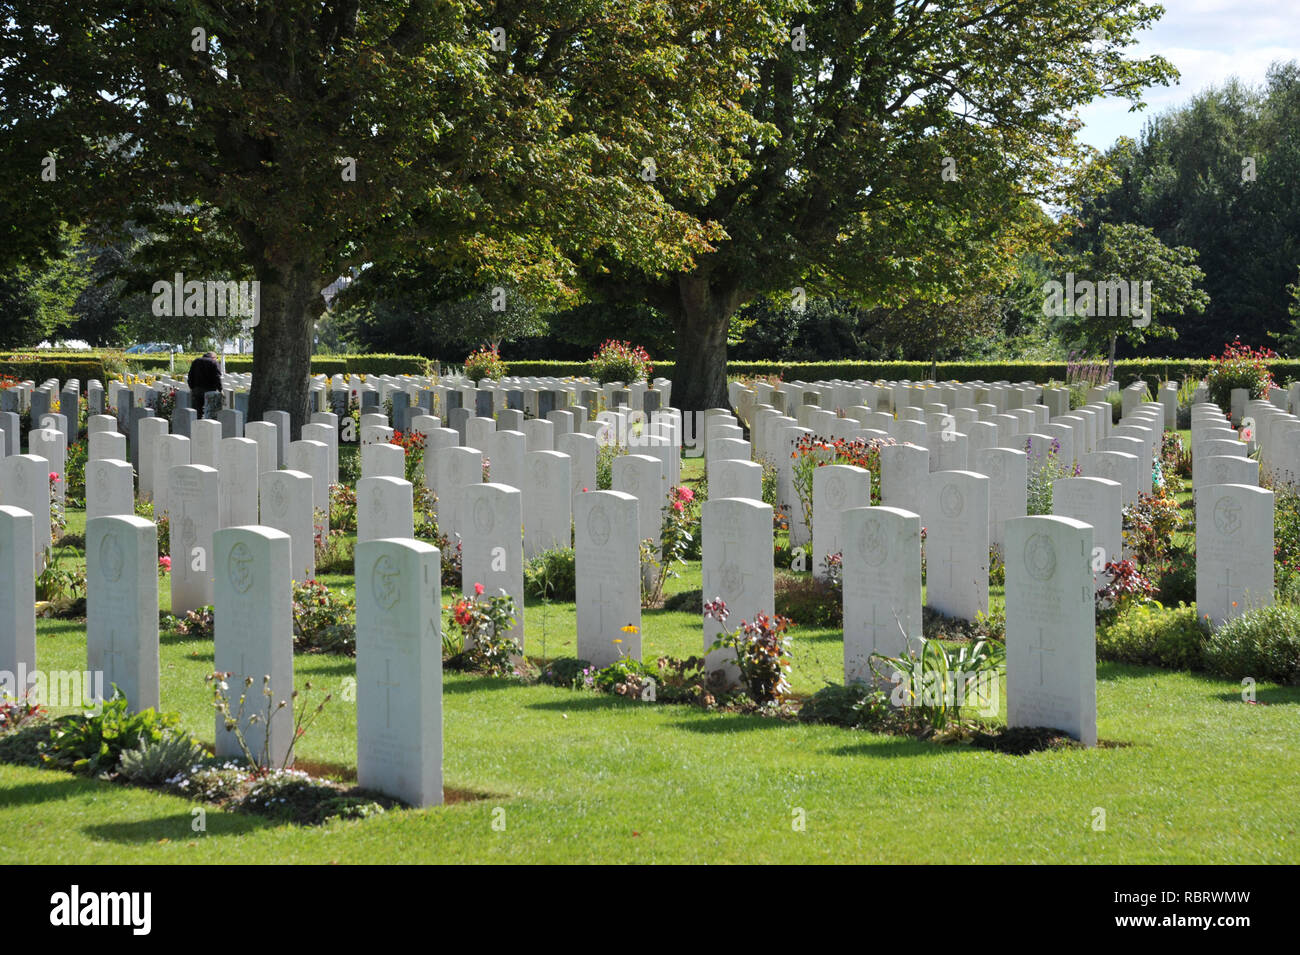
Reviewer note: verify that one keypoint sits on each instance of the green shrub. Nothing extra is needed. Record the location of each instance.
(813, 602)
(485, 363)
(1155, 635)
(323, 621)
(155, 761)
(1262, 643)
(568, 672)
(857, 706)
(1240, 366)
(605, 455)
(1178, 578)
(620, 361)
(552, 575)
(94, 743)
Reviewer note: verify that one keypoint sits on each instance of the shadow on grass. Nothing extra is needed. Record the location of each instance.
(326, 664)
(586, 702)
(177, 827)
(1268, 696)
(731, 723)
(58, 786)
(893, 747)
(473, 684)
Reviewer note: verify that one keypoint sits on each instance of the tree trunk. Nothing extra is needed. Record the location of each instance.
(1110, 367)
(290, 303)
(700, 373)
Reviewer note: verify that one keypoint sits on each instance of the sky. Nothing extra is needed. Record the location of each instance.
(1208, 41)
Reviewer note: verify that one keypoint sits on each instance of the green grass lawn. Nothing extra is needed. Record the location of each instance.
(1192, 774)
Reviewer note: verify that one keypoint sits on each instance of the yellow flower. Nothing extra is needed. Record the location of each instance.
(617, 640)
(631, 628)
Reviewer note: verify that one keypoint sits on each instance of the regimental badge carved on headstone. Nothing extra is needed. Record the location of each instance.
(598, 526)
(111, 557)
(1227, 515)
(385, 582)
(835, 492)
(240, 567)
(1040, 557)
(951, 501)
(484, 518)
(873, 544)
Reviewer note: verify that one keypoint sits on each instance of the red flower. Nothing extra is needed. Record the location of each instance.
(478, 589)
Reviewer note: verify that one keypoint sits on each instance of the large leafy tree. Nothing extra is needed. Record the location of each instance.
(288, 141)
(37, 299)
(903, 136)
(1138, 289)
(1221, 175)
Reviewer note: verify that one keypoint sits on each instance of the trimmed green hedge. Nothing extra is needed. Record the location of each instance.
(1151, 370)
(320, 364)
(85, 365)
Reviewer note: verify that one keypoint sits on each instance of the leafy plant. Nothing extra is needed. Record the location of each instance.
(1150, 634)
(15, 713)
(1043, 475)
(343, 507)
(761, 648)
(1263, 644)
(1126, 587)
(1240, 366)
(153, 762)
(484, 624)
(1149, 525)
(680, 517)
(233, 719)
(485, 363)
(322, 620)
(605, 455)
(936, 682)
(857, 706)
(94, 742)
(817, 601)
(199, 624)
(552, 575)
(620, 361)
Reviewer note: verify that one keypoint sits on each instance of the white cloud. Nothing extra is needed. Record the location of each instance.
(1208, 41)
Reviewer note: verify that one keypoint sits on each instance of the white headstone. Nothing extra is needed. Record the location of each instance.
(25, 483)
(285, 504)
(110, 488)
(492, 547)
(836, 488)
(1051, 635)
(548, 502)
(253, 615)
(194, 505)
(399, 670)
(882, 586)
(384, 508)
(122, 607)
(1099, 503)
(957, 544)
(607, 556)
(736, 566)
(1234, 551)
(238, 466)
(17, 600)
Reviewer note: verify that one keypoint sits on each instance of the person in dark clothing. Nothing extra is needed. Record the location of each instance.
(205, 376)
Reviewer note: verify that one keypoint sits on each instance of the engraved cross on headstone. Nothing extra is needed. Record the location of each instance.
(111, 653)
(388, 686)
(1227, 586)
(876, 627)
(1041, 649)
